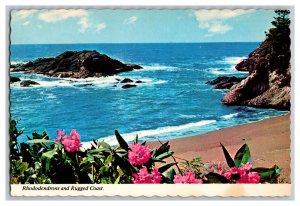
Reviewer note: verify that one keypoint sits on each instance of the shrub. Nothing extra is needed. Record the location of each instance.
(63, 160)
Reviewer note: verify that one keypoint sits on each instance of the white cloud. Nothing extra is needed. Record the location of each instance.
(84, 24)
(100, 26)
(52, 16)
(212, 14)
(212, 20)
(216, 27)
(26, 23)
(131, 20)
(23, 14)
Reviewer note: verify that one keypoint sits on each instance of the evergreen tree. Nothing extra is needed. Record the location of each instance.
(279, 40)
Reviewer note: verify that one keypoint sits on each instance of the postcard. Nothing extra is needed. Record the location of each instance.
(150, 102)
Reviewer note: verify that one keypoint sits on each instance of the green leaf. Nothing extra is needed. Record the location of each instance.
(163, 148)
(242, 156)
(215, 178)
(37, 141)
(165, 155)
(136, 139)
(91, 177)
(99, 150)
(117, 180)
(153, 159)
(171, 173)
(46, 157)
(121, 141)
(268, 174)
(109, 159)
(165, 167)
(228, 158)
(103, 144)
(124, 164)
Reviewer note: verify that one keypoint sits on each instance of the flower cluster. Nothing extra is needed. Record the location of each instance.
(244, 173)
(71, 142)
(144, 177)
(187, 178)
(139, 154)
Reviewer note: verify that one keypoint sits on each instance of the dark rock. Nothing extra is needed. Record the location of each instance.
(139, 81)
(13, 66)
(28, 83)
(14, 79)
(114, 85)
(72, 64)
(223, 82)
(126, 80)
(126, 86)
(243, 65)
(88, 84)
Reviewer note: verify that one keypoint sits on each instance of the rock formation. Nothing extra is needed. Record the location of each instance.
(223, 82)
(28, 83)
(14, 79)
(81, 64)
(268, 83)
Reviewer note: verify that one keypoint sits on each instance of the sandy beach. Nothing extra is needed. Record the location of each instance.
(269, 142)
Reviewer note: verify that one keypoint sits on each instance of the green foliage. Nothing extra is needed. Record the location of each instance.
(278, 41)
(270, 175)
(228, 158)
(44, 161)
(242, 156)
(195, 165)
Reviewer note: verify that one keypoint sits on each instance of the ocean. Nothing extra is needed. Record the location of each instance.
(172, 102)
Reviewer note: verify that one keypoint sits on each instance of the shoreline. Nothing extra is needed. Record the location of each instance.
(269, 142)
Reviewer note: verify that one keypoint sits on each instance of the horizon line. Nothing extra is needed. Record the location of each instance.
(138, 43)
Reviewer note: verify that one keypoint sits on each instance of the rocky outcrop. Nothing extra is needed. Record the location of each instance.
(14, 79)
(224, 82)
(268, 83)
(127, 86)
(126, 80)
(72, 64)
(28, 83)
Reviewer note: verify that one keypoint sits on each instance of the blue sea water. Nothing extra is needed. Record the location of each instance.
(173, 101)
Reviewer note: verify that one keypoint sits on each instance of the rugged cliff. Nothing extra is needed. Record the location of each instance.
(268, 83)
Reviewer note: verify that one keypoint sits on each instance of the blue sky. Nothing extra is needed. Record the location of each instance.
(56, 26)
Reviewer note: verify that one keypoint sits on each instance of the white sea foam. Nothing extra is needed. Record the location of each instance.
(17, 62)
(234, 60)
(156, 67)
(51, 96)
(108, 81)
(229, 116)
(152, 132)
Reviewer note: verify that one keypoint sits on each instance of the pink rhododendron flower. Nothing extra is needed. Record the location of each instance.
(251, 177)
(244, 172)
(139, 154)
(144, 177)
(247, 166)
(60, 134)
(71, 142)
(187, 178)
(234, 170)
